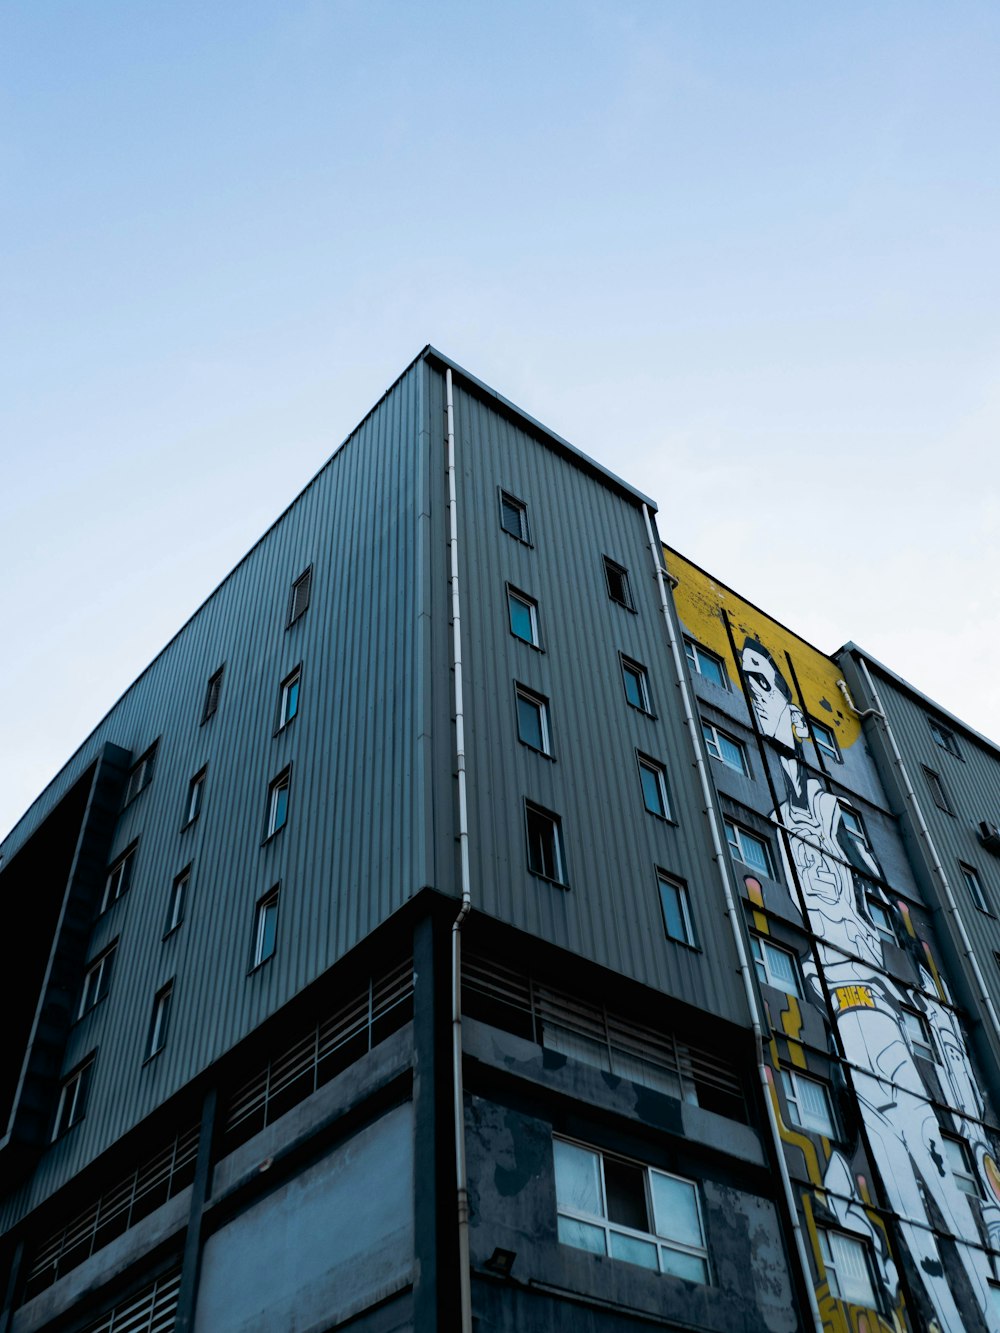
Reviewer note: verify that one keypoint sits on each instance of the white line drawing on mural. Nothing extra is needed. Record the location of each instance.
(902, 1127)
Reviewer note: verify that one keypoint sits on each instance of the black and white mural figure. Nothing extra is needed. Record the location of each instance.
(899, 1042)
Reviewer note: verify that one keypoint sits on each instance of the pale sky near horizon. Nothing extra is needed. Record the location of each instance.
(745, 255)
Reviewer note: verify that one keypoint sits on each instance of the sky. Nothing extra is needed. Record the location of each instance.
(745, 255)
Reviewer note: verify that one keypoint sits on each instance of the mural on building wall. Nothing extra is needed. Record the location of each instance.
(901, 1040)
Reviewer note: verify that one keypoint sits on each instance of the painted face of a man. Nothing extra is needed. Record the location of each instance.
(774, 710)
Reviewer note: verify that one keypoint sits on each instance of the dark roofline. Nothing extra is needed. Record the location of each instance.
(855, 650)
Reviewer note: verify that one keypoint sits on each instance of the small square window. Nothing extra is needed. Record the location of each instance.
(195, 796)
(159, 1020)
(825, 741)
(522, 613)
(725, 748)
(919, 1033)
(119, 877)
(140, 775)
(808, 1103)
(936, 788)
(635, 679)
(545, 852)
(959, 1159)
(704, 663)
(514, 516)
(747, 847)
(277, 803)
(73, 1098)
(265, 928)
(618, 584)
(653, 778)
(288, 699)
(775, 967)
(944, 738)
(212, 693)
(97, 980)
(178, 899)
(676, 908)
(532, 719)
(848, 1268)
(974, 884)
(301, 592)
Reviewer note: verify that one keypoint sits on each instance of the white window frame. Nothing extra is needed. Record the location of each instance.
(659, 774)
(178, 900)
(672, 883)
(117, 876)
(836, 1264)
(195, 796)
(72, 1105)
(763, 951)
(714, 736)
(736, 836)
(213, 693)
(515, 595)
(509, 500)
(635, 670)
(974, 883)
(799, 1114)
(885, 930)
(292, 681)
(266, 910)
(825, 740)
(853, 824)
(281, 783)
(655, 1239)
(140, 774)
(960, 1163)
(936, 788)
(919, 1033)
(97, 980)
(159, 1022)
(696, 653)
(541, 704)
(558, 857)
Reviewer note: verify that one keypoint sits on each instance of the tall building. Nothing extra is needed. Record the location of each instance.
(478, 917)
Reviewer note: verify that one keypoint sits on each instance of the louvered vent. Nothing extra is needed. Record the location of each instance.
(152, 1311)
(301, 589)
(212, 695)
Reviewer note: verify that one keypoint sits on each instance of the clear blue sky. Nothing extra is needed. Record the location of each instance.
(744, 254)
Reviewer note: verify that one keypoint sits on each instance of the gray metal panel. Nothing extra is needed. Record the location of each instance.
(610, 911)
(357, 843)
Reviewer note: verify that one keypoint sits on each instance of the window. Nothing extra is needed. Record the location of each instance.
(119, 877)
(265, 927)
(178, 899)
(522, 613)
(975, 886)
(159, 1021)
(959, 1159)
(808, 1103)
(301, 591)
(545, 854)
(73, 1098)
(775, 967)
(704, 663)
(611, 1206)
(879, 914)
(97, 980)
(514, 516)
(636, 682)
(725, 748)
(995, 1300)
(848, 1270)
(850, 822)
(944, 738)
(653, 777)
(532, 719)
(825, 741)
(937, 791)
(212, 693)
(919, 1033)
(747, 847)
(196, 792)
(288, 700)
(618, 584)
(140, 774)
(277, 803)
(676, 908)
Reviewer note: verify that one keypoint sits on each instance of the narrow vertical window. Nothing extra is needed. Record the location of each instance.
(975, 886)
(265, 928)
(277, 803)
(636, 683)
(178, 899)
(919, 1033)
(850, 821)
(616, 577)
(73, 1098)
(675, 907)
(301, 592)
(212, 693)
(97, 979)
(545, 853)
(936, 788)
(140, 774)
(522, 615)
(160, 1020)
(532, 719)
(514, 516)
(653, 778)
(288, 702)
(195, 796)
(119, 877)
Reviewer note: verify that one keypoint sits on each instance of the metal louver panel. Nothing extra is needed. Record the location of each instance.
(152, 1311)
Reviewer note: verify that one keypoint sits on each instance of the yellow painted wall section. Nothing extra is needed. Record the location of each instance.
(699, 600)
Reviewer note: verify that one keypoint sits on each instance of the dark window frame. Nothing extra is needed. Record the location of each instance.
(975, 887)
(295, 611)
(125, 857)
(264, 904)
(140, 775)
(944, 738)
(523, 533)
(518, 595)
(294, 677)
(541, 702)
(213, 693)
(618, 584)
(281, 781)
(665, 877)
(195, 797)
(936, 787)
(104, 965)
(557, 855)
(646, 763)
(159, 1021)
(180, 887)
(629, 665)
(78, 1079)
